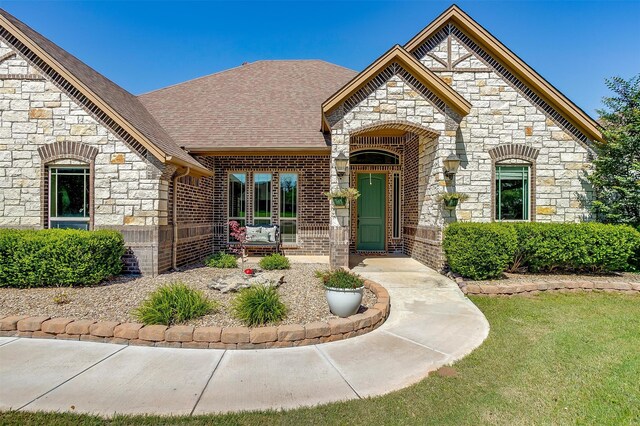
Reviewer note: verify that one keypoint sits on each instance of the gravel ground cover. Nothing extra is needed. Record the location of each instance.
(114, 300)
(515, 279)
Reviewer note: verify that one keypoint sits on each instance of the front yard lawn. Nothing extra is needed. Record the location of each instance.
(550, 359)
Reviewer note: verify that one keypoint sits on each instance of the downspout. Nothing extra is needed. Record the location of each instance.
(174, 245)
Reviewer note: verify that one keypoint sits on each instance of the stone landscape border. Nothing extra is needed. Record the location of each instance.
(533, 287)
(187, 336)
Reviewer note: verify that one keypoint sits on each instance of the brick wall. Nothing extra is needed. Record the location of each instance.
(313, 207)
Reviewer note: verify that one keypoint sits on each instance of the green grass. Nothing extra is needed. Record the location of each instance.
(549, 359)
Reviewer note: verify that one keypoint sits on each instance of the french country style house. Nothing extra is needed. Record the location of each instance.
(451, 111)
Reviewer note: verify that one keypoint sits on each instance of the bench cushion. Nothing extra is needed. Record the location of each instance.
(255, 234)
(261, 234)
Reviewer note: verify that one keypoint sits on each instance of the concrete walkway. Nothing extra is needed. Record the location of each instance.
(431, 324)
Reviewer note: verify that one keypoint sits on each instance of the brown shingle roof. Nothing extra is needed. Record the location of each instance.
(121, 101)
(264, 104)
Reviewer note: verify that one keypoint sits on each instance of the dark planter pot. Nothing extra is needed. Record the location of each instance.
(340, 201)
(451, 204)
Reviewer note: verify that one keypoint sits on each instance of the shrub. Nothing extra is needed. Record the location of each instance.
(485, 250)
(339, 278)
(58, 257)
(174, 303)
(221, 260)
(274, 261)
(479, 250)
(259, 305)
(594, 247)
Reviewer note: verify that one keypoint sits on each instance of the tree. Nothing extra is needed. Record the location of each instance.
(616, 179)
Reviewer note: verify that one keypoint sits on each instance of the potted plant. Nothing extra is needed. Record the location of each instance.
(451, 199)
(341, 195)
(343, 291)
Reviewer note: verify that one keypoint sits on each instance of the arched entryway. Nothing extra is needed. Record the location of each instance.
(385, 166)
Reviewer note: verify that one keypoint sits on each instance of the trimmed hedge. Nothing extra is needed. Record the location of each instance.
(485, 250)
(593, 247)
(479, 250)
(60, 257)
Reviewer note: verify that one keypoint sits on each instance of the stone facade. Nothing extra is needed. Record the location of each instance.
(129, 192)
(44, 124)
(507, 124)
(503, 114)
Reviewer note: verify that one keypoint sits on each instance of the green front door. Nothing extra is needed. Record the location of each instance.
(371, 211)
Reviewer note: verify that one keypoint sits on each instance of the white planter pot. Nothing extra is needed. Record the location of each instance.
(344, 302)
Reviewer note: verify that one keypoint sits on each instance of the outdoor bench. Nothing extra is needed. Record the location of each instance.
(263, 236)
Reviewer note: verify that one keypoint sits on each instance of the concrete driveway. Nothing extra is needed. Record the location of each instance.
(431, 324)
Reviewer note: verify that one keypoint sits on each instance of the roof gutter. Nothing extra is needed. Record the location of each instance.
(248, 151)
(193, 170)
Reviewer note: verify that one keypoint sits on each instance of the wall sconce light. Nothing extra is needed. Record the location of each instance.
(451, 165)
(341, 164)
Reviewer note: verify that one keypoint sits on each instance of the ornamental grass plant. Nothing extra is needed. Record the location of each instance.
(173, 304)
(259, 305)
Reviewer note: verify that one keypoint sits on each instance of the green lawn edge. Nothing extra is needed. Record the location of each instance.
(552, 358)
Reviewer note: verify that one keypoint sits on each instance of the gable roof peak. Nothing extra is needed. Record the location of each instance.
(398, 54)
(483, 38)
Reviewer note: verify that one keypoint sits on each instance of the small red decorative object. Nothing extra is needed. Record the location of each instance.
(248, 271)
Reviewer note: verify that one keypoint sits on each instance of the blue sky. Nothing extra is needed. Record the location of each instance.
(148, 45)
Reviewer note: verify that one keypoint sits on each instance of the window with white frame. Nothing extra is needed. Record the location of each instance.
(512, 193)
(262, 199)
(237, 198)
(289, 207)
(69, 197)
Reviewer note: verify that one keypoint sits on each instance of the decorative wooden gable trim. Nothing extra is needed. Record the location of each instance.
(398, 60)
(510, 62)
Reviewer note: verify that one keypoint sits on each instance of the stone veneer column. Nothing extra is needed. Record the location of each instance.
(340, 218)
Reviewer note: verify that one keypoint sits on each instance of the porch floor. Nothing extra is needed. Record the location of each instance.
(431, 324)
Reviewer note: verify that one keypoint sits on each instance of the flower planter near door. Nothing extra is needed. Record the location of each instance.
(450, 204)
(343, 290)
(340, 201)
(451, 199)
(344, 302)
(340, 196)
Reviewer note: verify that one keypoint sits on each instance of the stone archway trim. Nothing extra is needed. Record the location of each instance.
(61, 151)
(518, 151)
(67, 149)
(396, 125)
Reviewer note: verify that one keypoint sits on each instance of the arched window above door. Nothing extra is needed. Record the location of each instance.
(373, 156)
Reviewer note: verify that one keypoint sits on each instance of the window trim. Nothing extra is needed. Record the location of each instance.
(530, 190)
(253, 198)
(280, 218)
(385, 152)
(89, 187)
(396, 215)
(236, 218)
